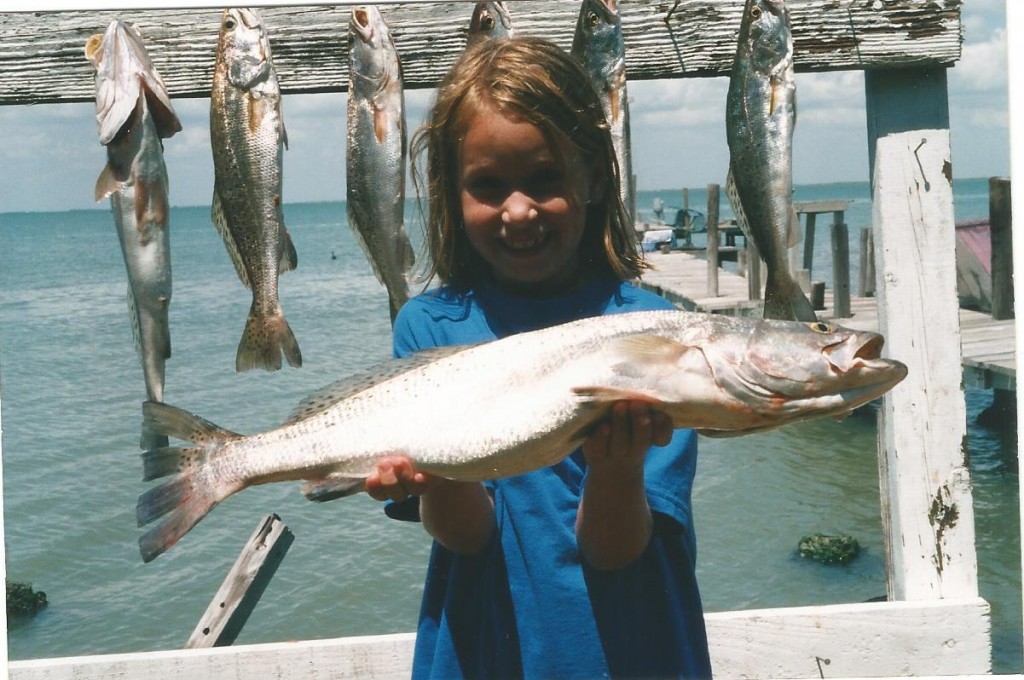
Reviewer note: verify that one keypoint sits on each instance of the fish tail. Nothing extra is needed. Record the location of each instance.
(190, 494)
(181, 502)
(264, 339)
(785, 300)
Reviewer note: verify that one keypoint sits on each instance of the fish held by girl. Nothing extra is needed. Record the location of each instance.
(760, 118)
(518, 404)
(134, 112)
(248, 136)
(376, 156)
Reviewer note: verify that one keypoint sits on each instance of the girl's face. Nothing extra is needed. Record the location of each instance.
(523, 202)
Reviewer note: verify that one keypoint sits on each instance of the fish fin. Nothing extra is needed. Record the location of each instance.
(646, 348)
(107, 183)
(332, 486)
(289, 256)
(178, 423)
(793, 231)
(326, 397)
(220, 221)
(381, 123)
(151, 440)
(605, 394)
(151, 207)
(263, 341)
(183, 503)
(93, 47)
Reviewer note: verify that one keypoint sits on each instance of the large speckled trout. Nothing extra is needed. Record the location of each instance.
(247, 135)
(760, 118)
(518, 404)
(376, 152)
(133, 111)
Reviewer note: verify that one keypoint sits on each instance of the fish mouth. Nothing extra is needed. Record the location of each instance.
(361, 22)
(858, 351)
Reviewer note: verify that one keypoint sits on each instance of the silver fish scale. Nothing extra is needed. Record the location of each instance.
(376, 153)
(135, 178)
(522, 403)
(599, 46)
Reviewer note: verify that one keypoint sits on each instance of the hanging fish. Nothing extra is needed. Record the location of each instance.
(376, 155)
(760, 117)
(490, 20)
(133, 110)
(598, 45)
(248, 136)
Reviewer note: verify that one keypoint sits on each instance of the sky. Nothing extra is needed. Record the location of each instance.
(51, 153)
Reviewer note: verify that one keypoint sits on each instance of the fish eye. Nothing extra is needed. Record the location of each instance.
(755, 12)
(593, 18)
(819, 327)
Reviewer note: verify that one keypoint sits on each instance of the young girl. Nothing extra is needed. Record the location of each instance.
(584, 569)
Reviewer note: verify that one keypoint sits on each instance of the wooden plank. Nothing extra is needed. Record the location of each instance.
(1000, 219)
(41, 56)
(927, 509)
(875, 639)
(243, 586)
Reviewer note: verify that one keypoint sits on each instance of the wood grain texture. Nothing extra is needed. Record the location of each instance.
(41, 53)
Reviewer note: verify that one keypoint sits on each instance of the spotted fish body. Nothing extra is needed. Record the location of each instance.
(598, 45)
(518, 404)
(760, 118)
(376, 153)
(134, 112)
(248, 136)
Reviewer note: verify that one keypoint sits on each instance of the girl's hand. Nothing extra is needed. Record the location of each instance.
(395, 479)
(621, 442)
(614, 522)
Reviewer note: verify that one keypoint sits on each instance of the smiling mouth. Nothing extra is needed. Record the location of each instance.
(523, 245)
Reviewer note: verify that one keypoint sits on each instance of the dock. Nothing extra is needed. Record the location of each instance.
(987, 344)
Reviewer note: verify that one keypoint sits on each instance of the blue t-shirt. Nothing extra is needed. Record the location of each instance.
(527, 606)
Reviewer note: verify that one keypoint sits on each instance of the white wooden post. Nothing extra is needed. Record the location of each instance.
(926, 497)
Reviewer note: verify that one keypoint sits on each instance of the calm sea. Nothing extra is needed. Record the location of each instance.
(71, 389)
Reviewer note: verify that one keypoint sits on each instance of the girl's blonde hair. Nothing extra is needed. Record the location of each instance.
(531, 80)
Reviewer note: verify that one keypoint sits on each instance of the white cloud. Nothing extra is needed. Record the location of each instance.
(982, 68)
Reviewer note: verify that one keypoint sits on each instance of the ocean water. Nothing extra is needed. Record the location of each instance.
(71, 387)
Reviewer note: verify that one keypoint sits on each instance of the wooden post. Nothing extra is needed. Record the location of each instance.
(686, 198)
(753, 271)
(866, 280)
(712, 234)
(809, 243)
(1000, 221)
(927, 510)
(840, 267)
(244, 585)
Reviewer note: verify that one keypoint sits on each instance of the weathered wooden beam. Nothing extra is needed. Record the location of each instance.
(244, 585)
(852, 640)
(41, 58)
(927, 509)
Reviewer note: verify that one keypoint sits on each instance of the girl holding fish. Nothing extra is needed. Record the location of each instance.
(585, 568)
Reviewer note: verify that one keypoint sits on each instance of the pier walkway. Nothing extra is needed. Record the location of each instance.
(987, 345)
